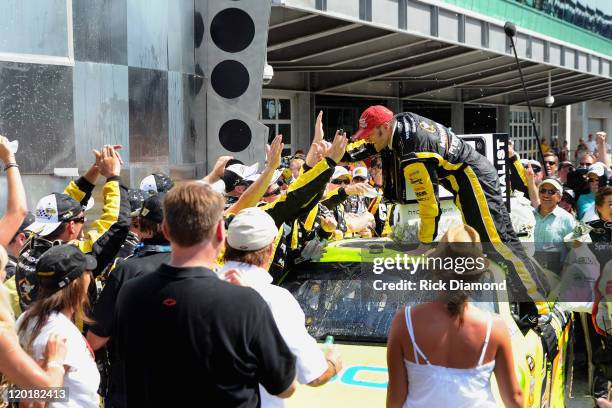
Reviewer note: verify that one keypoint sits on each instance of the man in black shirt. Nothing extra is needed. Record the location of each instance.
(189, 338)
(149, 255)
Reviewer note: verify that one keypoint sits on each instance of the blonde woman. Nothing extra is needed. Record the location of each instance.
(442, 353)
(16, 367)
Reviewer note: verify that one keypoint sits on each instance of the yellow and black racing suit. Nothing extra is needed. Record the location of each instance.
(298, 200)
(424, 155)
(518, 178)
(102, 241)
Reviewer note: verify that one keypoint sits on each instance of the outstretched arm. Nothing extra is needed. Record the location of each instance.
(16, 206)
(255, 192)
(423, 178)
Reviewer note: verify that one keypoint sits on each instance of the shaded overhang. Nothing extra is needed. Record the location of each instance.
(331, 53)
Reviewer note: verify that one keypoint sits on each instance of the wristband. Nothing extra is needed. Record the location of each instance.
(333, 365)
(55, 364)
(8, 166)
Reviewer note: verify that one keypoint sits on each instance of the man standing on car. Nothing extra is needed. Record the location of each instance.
(423, 154)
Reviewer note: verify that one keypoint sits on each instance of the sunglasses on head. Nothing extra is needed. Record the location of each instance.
(549, 191)
(340, 181)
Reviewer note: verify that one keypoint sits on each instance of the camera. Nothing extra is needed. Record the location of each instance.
(268, 74)
(549, 100)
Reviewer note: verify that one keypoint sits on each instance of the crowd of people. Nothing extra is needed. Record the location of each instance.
(172, 295)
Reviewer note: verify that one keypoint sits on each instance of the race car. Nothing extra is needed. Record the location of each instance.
(338, 297)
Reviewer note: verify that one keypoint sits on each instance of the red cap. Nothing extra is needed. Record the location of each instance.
(375, 115)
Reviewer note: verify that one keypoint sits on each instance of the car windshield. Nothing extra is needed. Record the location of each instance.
(351, 309)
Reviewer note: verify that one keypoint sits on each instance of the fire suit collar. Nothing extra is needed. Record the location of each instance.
(390, 145)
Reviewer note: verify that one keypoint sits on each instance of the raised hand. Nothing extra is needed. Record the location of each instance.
(338, 147)
(601, 138)
(318, 131)
(108, 161)
(529, 172)
(357, 189)
(274, 152)
(5, 150)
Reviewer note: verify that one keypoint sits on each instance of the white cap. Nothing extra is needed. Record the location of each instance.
(242, 170)
(340, 171)
(554, 183)
(251, 230)
(47, 216)
(218, 186)
(277, 174)
(148, 183)
(597, 168)
(360, 172)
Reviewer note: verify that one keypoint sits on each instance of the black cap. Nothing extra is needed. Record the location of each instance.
(156, 183)
(27, 221)
(62, 264)
(136, 198)
(153, 208)
(232, 161)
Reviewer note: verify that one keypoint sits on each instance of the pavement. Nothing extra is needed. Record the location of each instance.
(579, 397)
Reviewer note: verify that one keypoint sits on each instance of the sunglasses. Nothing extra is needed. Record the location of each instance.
(548, 191)
(535, 169)
(585, 164)
(551, 163)
(339, 182)
(79, 220)
(359, 179)
(593, 179)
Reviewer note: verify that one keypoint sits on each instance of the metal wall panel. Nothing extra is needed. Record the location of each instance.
(148, 101)
(555, 54)
(537, 49)
(582, 61)
(569, 58)
(521, 45)
(473, 32)
(147, 33)
(497, 38)
(448, 25)
(181, 36)
(385, 12)
(606, 68)
(346, 7)
(100, 31)
(419, 17)
(36, 109)
(101, 110)
(34, 27)
(185, 127)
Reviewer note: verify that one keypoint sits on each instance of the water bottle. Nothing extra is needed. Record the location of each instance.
(329, 344)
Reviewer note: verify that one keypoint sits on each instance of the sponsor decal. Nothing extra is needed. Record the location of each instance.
(428, 127)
